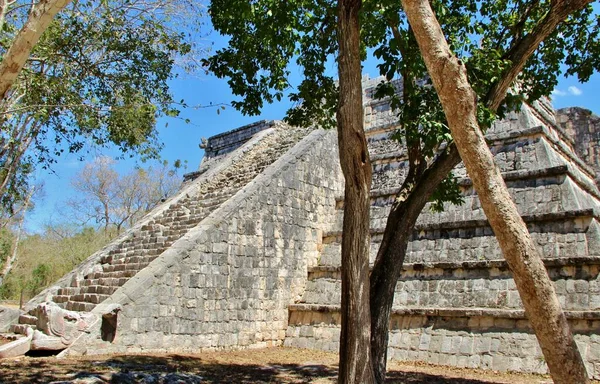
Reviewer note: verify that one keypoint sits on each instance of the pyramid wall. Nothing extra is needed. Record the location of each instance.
(455, 302)
(229, 281)
(248, 253)
(583, 127)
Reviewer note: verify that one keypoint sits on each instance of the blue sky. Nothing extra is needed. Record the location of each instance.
(181, 140)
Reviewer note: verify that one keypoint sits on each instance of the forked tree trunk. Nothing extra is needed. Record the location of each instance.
(386, 270)
(355, 353)
(460, 106)
(392, 251)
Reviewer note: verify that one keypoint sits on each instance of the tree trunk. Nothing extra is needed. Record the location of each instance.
(12, 257)
(392, 251)
(17, 54)
(355, 354)
(460, 106)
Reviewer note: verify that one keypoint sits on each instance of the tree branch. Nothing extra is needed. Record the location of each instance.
(524, 47)
(16, 56)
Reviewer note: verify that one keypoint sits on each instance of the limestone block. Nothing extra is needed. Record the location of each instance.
(19, 346)
(43, 342)
(8, 316)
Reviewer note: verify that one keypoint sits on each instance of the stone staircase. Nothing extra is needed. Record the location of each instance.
(247, 255)
(143, 245)
(455, 302)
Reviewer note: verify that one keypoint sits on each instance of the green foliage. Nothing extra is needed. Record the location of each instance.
(266, 37)
(44, 258)
(98, 77)
(448, 191)
(39, 278)
(6, 243)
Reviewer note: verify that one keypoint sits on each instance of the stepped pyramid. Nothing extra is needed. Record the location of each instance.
(247, 254)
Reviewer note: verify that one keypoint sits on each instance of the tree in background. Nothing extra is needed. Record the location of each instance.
(109, 200)
(496, 41)
(114, 201)
(11, 229)
(96, 77)
(46, 257)
(7, 240)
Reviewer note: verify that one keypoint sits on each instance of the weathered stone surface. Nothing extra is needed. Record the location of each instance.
(583, 127)
(247, 255)
(19, 346)
(8, 316)
(58, 328)
(43, 342)
(456, 302)
(229, 280)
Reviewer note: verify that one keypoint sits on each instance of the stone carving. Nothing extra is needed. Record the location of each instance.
(57, 328)
(8, 316)
(203, 143)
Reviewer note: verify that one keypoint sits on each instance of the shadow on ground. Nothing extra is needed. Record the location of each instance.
(173, 369)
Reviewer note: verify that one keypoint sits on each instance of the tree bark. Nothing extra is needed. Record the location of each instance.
(524, 48)
(401, 221)
(390, 257)
(355, 354)
(460, 106)
(17, 54)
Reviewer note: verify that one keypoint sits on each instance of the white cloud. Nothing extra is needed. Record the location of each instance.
(571, 91)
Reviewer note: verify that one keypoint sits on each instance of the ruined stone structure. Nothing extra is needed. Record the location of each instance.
(248, 253)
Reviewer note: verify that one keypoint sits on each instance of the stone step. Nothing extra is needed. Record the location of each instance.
(580, 266)
(93, 298)
(497, 292)
(27, 319)
(66, 291)
(58, 299)
(132, 259)
(538, 179)
(556, 234)
(79, 306)
(106, 282)
(479, 338)
(110, 275)
(98, 289)
(486, 284)
(21, 329)
(125, 267)
(389, 169)
(330, 314)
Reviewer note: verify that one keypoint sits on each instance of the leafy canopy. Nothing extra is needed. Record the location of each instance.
(98, 77)
(267, 37)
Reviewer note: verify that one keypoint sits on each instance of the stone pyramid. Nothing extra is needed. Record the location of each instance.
(247, 254)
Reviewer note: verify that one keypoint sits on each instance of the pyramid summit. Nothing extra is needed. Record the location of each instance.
(247, 254)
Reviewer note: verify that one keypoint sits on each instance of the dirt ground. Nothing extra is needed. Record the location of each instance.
(272, 365)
